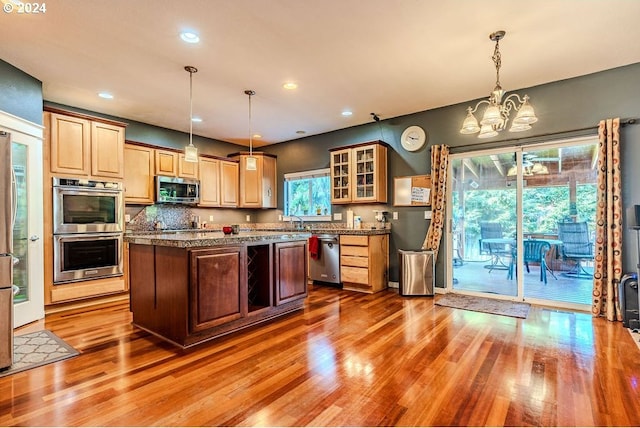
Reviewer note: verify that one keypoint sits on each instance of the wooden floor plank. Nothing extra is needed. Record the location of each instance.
(346, 359)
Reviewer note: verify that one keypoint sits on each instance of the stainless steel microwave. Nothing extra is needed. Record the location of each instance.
(174, 190)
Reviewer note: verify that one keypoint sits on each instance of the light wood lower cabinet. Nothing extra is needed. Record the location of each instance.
(364, 262)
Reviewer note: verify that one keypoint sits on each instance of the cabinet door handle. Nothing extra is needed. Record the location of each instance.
(269, 192)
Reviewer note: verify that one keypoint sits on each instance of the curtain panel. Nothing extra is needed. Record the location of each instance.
(608, 244)
(439, 166)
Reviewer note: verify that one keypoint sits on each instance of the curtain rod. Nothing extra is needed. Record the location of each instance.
(517, 142)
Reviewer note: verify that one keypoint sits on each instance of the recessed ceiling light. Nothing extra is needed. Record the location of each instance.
(257, 136)
(190, 37)
(105, 95)
(290, 85)
(196, 120)
(301, 132)
(347, 113)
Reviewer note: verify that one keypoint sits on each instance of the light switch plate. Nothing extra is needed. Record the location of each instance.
(395, 215)
(337, 216)
(248, 217)
(210, 218)
(127, 218)
(427, 215)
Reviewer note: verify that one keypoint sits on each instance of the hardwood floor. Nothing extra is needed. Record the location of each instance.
(347, 359)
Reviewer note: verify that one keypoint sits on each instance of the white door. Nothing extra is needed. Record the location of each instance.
(26, 142)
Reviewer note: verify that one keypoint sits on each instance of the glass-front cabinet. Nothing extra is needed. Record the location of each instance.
(359, 173)
(341, 183)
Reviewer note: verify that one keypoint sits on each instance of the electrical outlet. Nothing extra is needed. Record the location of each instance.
(210, 218)
(279, 217)
(248, 217)
(127, 218)
(427, 215)
(395, 215)
(337, 216)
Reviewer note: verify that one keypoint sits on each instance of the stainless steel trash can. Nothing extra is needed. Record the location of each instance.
(416, 272)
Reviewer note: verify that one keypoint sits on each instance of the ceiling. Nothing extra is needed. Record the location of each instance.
(389, 57)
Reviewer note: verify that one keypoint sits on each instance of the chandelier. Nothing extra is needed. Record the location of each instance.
(496, 115)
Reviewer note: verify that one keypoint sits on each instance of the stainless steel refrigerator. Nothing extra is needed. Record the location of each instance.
(7, 216)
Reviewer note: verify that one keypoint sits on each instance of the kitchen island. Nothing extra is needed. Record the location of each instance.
(190, 287)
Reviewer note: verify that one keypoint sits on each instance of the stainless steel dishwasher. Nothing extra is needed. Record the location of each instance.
(326, 268)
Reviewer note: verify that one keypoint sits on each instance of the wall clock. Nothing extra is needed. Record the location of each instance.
(413, 138)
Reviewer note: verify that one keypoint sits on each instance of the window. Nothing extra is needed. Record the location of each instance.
(308, 195)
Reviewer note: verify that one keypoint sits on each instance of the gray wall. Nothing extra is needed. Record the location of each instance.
(20, 94)
(562, 108)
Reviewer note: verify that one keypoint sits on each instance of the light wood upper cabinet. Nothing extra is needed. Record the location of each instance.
(107, 150)
(82, 147)
(70, 144)
(172, 164)
(359, 174)
(257, 187)
(138, 174)
(218, 183)
(209, 182)
(228, 184)
(166, 163)
(187, 169)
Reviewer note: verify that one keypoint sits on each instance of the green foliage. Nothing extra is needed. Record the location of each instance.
(306, 196)
(543, 208)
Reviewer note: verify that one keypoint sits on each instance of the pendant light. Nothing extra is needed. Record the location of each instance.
(252, 162)
(191, 151)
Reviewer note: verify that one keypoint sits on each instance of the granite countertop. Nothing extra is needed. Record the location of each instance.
(202, 238)
(277, 230)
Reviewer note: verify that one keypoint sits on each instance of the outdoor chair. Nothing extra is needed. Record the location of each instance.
(576, 246)
(497, 251)
(535, 251)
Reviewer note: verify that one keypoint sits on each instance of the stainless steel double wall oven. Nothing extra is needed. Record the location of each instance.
(87, 229)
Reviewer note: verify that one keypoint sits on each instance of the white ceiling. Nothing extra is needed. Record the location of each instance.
(390, 57)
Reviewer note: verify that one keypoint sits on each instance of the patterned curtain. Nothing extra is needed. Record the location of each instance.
(439, 164)
(608, 248)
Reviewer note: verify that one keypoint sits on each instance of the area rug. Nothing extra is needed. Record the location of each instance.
(37, 349)
(482, 304)
(635, 335)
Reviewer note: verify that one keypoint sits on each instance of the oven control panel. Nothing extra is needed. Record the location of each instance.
(84, 183)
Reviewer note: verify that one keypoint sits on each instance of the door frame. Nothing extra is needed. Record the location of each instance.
(518, 150)
(32, 135)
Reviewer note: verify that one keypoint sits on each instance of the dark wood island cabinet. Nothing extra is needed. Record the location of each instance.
(192, 287)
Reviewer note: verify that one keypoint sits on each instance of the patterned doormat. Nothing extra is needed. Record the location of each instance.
(635, 334)
(483, 304)
(37, 349)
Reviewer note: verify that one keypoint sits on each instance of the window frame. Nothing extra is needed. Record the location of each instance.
(315, 173)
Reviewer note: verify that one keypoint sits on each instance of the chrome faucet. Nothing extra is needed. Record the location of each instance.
(300, 221)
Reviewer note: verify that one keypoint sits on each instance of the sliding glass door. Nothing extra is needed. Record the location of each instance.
(522, 222)
(484, 223)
